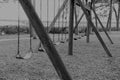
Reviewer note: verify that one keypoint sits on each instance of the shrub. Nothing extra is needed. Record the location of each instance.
(14, 29)
(58, 30)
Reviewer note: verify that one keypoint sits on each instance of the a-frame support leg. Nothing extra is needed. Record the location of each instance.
(95, 30)
(103, 27)
(45, 39)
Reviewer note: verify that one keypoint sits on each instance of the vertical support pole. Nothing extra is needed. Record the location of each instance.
(110, 15)
(88, 31)
(118, 18)
(71, 24)
(88, 26)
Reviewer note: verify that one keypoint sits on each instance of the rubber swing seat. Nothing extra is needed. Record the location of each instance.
(75, 38)
(19, 57)
(28, 55)
(41, 49)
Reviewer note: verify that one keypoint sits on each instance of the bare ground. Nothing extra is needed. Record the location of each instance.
(89, 62)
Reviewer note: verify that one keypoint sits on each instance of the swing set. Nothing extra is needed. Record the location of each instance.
(60, 21)
(48, 43)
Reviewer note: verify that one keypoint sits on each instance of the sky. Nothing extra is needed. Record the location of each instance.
(9, 12)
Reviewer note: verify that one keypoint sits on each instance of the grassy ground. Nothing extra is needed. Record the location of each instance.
(89, 61)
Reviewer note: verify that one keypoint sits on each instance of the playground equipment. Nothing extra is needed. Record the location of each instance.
(59, 21)
(18, 56)
(30, 52)
(47, 42)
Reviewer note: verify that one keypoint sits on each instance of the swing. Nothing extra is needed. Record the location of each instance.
(29, 54)
(60, 38)
(55, 43)
(66, 23)
(18, 56)
(63, 15)
(40, 48)
(40, 44)
(54, 26)
(75, 14)
(58, 23)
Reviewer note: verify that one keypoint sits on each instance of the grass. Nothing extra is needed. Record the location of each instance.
(89, 61)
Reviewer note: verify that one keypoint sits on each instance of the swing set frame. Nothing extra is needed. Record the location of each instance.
(47, 42)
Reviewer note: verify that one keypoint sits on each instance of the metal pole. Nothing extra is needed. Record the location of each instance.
(88, 25)
(88, 28)
(110, 15)
(118, 18)
(71, 24)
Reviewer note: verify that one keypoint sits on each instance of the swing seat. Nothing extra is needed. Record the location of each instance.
(28, 55)
(57, 43)
(19, 57)
(41, 49)
(75, 38)
(34, 37)
(62, 41)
